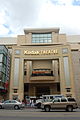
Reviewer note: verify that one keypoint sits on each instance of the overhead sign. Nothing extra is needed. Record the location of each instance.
(41, 52)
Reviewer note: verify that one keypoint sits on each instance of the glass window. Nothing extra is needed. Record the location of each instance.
(63, 100)
(51, 97)
(15, 90)
(25, 72)
(71, 99)
(37, 35)
(33, 35)
(45, 35)
(3, 77)
(49, 35)
(49, 41)
(0, 76)
(7, 101)
(33, 41)
(1, 57)
(68, 90)
(13, 101)
(65, 50)
(45, 41)
(56, 100)
(41, 37)
(41, 41)
(17, 52)
(48, 38)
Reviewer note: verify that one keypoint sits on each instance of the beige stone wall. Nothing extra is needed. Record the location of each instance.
(76, 69)
(8, 41)
(53, 89)
(41, 64)
(21, 40)
(28, 38)
(62, 38)
(42, 61)
(73, 38)
(55, 68)
(45, 60)
(55, 37)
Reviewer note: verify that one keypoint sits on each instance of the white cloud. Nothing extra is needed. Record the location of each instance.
(20, 14)
(65, 17)
(3, 30)
(62, 2)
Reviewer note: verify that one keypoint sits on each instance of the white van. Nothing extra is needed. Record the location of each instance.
(50, 97)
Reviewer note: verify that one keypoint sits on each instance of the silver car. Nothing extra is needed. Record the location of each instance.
(11, 104)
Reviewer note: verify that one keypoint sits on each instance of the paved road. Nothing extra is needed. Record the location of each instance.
(32, 114)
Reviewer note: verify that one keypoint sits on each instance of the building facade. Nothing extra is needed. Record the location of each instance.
(44, 62)
(4, 71)
(41, 64)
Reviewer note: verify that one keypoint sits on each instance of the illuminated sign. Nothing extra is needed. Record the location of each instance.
(41, 52)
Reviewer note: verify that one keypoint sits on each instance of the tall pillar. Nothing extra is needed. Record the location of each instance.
(62, 78)
(11, 79)
(21, 81)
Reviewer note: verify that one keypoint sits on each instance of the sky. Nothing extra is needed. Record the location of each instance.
(17, 15)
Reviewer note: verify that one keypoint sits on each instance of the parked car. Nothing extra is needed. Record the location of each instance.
(60, 103)
(46, 98)
(11, 104)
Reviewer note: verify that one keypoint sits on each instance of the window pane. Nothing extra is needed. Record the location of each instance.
(63, 100)
(41, 41)
(33, 41)
(65, 50)
(45, 41)
(49, 35)
(1, 57)
(33, 35)
(45, 35)
(49, 41)
(41, 37)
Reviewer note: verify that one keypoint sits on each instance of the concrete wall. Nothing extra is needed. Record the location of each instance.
(76, 70)
(73, 38)
(8, 41)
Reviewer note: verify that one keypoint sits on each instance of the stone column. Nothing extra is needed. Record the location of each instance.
(21, 81)
(62, 77)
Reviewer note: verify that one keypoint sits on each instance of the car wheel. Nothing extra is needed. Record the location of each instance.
(70, 108)
(16, 107)
(47, 108)
(0, 106)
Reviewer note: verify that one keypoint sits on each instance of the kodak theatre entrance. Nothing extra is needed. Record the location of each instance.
(42, 91)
